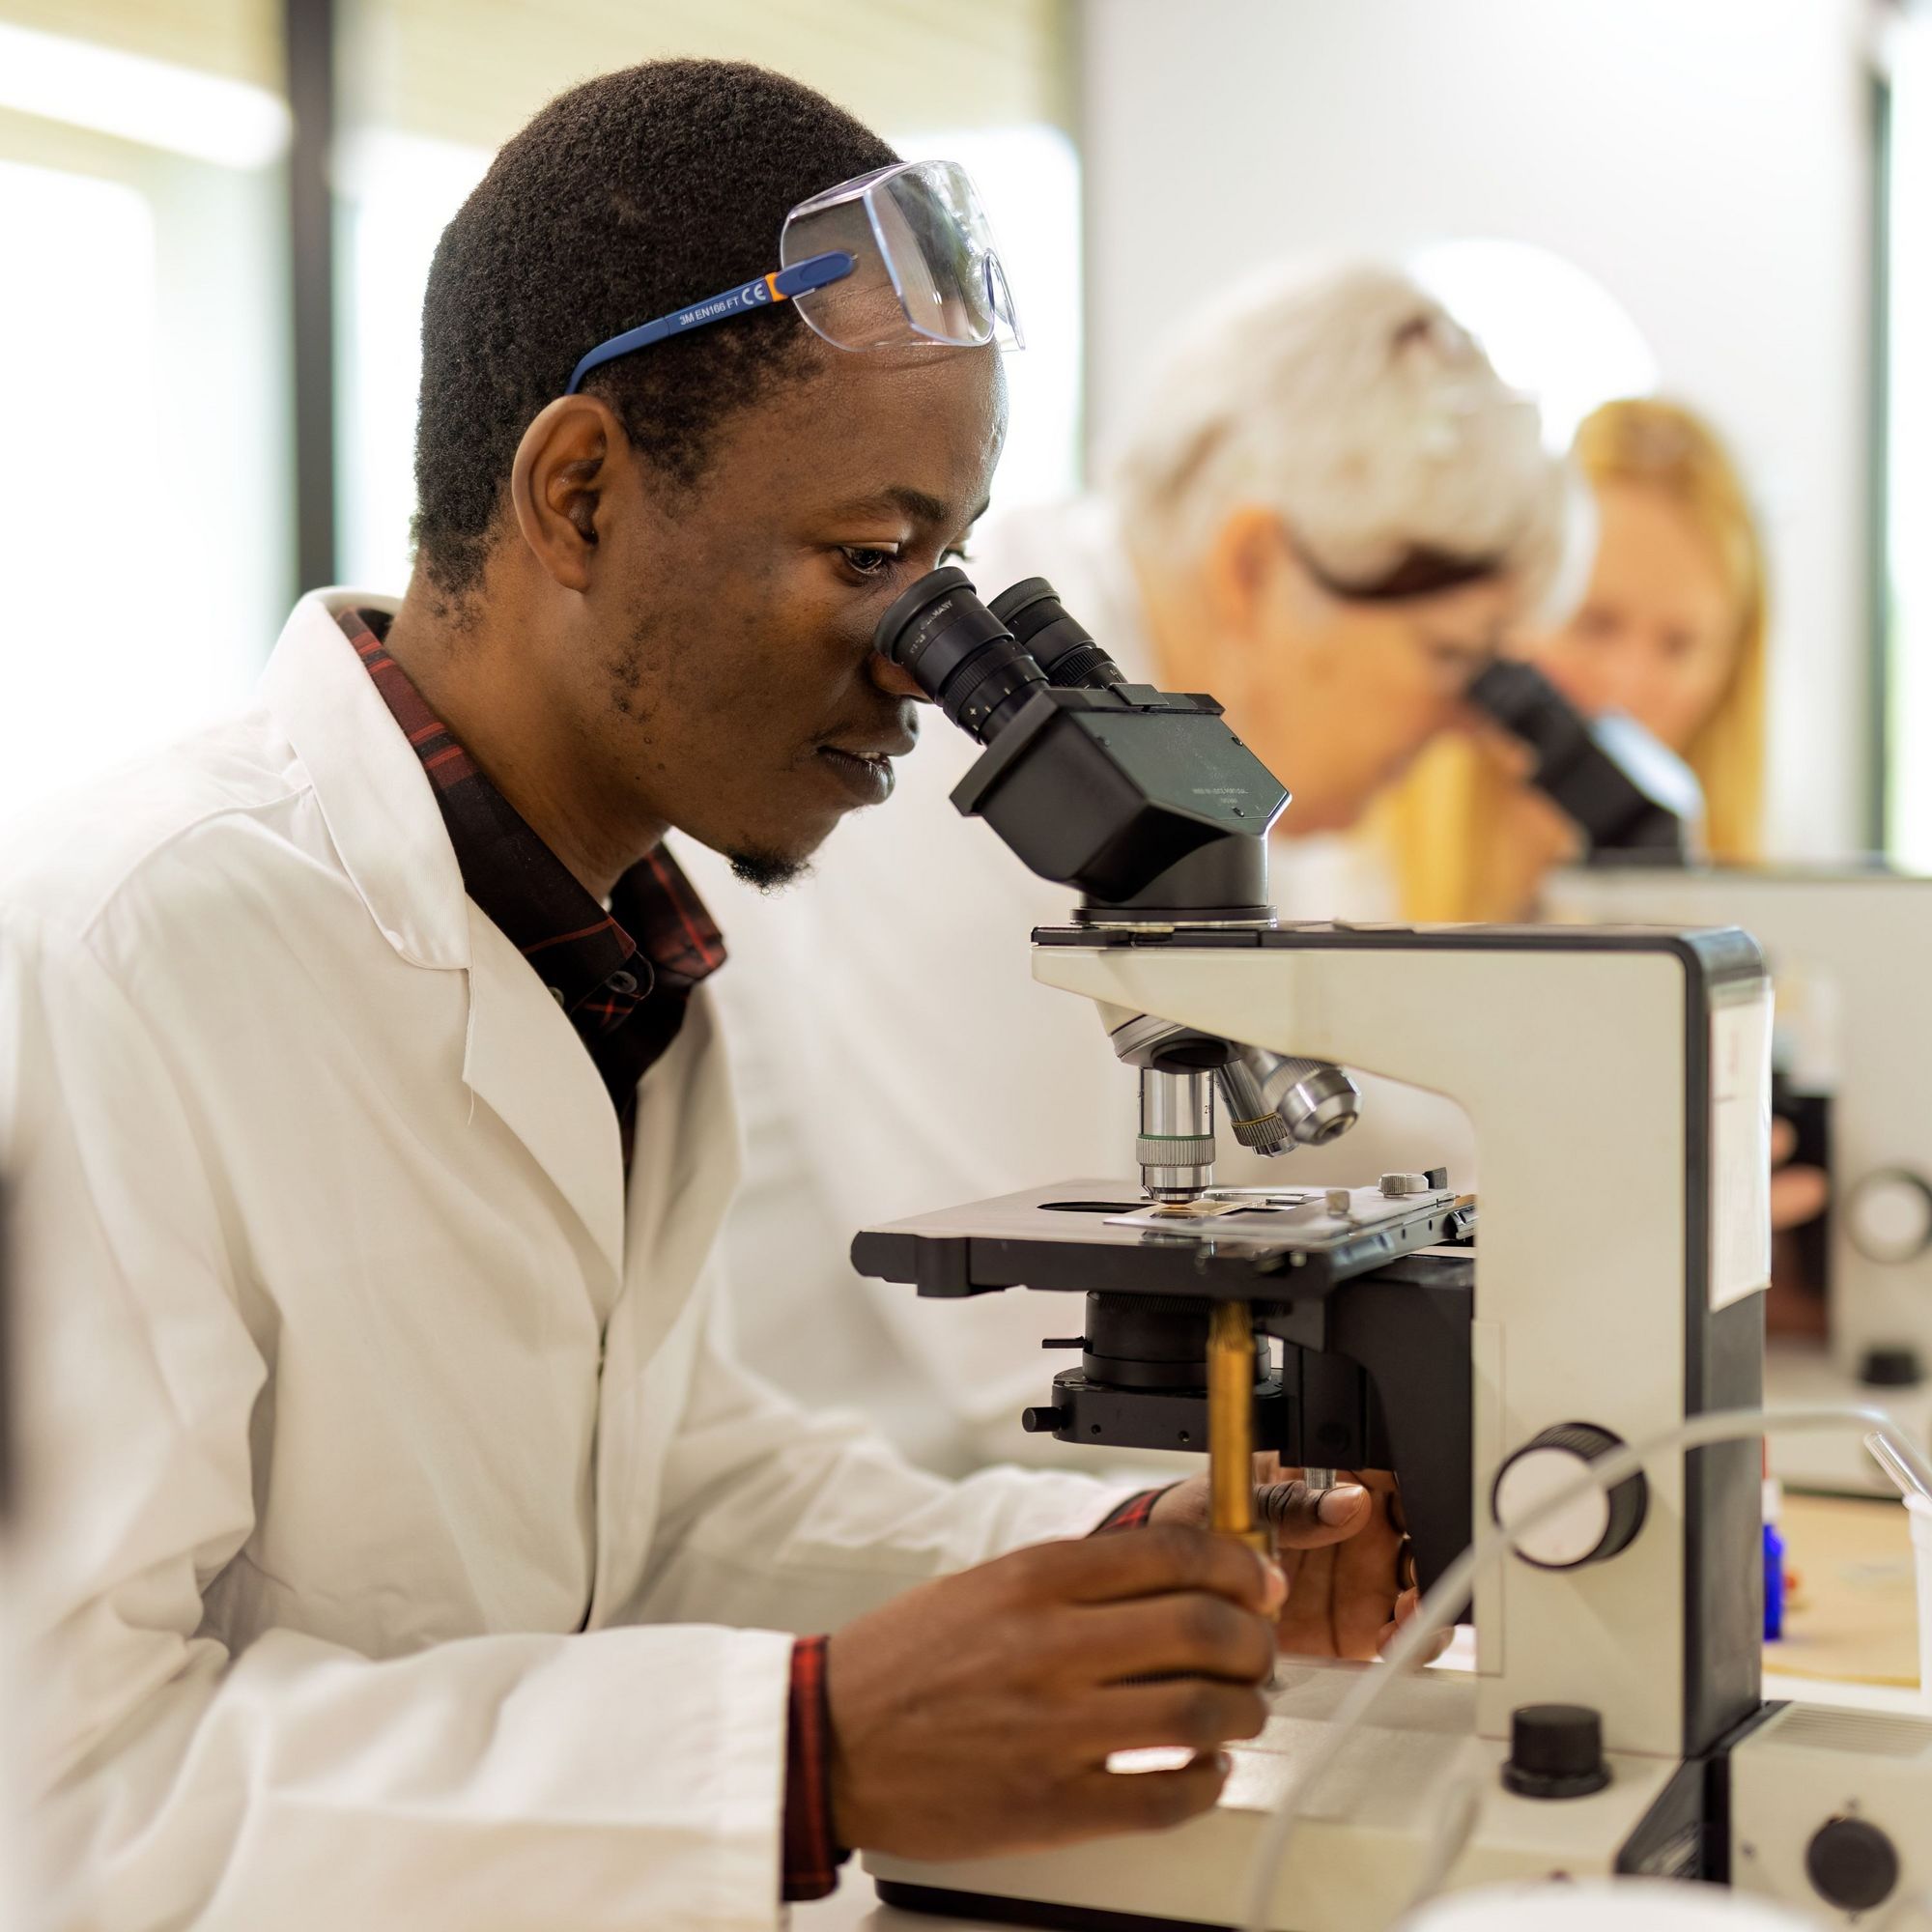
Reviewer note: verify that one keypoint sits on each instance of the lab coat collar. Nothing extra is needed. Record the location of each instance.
(521, 1055)
(375, 797)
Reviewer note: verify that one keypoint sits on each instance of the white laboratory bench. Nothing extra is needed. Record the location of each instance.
(1856, 1601)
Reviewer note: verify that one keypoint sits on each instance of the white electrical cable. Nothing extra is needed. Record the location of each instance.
(1490, 1545)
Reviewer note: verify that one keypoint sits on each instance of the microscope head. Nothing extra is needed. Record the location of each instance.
(1143, 801)
(1631, 797)
(1148, 804)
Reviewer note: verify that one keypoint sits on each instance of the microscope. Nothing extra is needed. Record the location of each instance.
(1618, 1084)
(1844, 945)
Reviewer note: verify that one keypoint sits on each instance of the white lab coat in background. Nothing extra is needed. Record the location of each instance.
(391, 1481)
(895, 1055)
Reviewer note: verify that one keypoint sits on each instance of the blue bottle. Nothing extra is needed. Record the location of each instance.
(1774, 1562)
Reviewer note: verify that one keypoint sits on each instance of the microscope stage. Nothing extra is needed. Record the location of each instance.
(1250, 1244)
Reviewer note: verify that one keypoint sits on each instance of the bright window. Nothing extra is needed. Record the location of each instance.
(1550, 328)
(144, 496)
(1906, 613)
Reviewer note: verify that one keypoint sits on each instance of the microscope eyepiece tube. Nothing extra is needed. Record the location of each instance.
(965, 659)
(1176, 1149)
(1062, 648)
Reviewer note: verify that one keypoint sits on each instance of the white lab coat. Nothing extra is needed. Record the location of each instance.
(392, 1484)
(895, 1056)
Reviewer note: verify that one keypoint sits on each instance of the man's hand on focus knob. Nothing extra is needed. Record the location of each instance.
(1342, 1550)
(975, 1714)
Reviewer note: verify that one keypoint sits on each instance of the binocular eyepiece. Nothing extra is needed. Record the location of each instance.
(980, 663)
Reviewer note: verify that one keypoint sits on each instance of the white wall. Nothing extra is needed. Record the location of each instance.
(1708, 160)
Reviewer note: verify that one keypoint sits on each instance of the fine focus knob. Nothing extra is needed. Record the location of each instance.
(1594, 1525)
(1852, 1864)
(1889, 1215)
(1556, 1751)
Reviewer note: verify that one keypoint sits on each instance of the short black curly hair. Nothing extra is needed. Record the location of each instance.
(624, 199)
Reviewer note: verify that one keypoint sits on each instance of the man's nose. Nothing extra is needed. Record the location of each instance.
(894, 680)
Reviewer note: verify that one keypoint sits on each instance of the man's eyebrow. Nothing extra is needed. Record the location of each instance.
(921, 507)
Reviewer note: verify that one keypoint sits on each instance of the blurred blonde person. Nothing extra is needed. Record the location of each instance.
(1327, 513)
(1670, 631)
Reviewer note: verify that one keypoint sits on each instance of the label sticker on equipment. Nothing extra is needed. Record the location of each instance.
(1740, 1202)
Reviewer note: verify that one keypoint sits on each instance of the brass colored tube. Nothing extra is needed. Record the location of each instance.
(1231, 1426)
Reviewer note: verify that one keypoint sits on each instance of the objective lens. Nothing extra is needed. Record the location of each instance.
(1032, 610)
(965, 660)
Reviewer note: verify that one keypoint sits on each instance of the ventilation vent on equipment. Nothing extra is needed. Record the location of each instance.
(1870, 1733)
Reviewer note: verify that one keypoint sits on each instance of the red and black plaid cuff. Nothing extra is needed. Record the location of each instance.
(1132, 1513)
(812, 1858)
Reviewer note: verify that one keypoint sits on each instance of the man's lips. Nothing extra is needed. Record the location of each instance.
(865, 772)
(890, 745)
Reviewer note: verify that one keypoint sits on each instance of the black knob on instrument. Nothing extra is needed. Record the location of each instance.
(1852, 1864)
(1891, 1367)
(1556, 1751)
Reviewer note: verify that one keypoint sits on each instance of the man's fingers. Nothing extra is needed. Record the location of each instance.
(1306, 1626)
(1197, 1715)
(1152, 1562)
(1191, 1634)
(1405, 1606)
(1783, 1140)
(1367, 1575)
(1307, 1518)
(1147, 1800)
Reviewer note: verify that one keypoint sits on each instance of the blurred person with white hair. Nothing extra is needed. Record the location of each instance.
(1327, 514)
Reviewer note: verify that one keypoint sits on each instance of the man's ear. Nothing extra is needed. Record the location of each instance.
(560, 484)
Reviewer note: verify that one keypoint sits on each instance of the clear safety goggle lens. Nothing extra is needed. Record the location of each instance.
(927, 269)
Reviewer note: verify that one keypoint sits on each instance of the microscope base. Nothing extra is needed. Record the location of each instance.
(1354, 1863)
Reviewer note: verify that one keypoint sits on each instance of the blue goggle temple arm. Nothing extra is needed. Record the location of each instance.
(815, 271)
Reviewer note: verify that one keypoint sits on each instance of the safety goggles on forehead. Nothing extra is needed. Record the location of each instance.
(901, 256)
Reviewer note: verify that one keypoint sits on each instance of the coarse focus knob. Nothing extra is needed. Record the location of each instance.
(1594, 1525)
(1852, 1864)
(1889, 1215)
(1556, 1751)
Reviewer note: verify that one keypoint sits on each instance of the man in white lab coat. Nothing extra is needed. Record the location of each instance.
(409, 1548)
